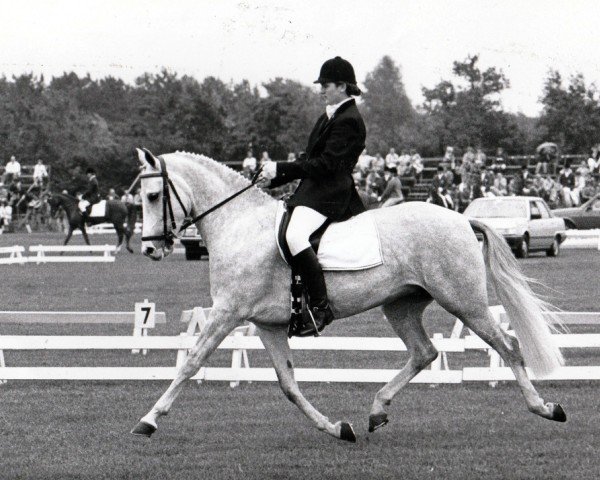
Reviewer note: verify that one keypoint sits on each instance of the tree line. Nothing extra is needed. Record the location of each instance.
(74, 122)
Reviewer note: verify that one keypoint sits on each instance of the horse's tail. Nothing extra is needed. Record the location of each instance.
(531, 317)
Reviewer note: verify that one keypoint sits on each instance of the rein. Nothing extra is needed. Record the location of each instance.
(169, 234)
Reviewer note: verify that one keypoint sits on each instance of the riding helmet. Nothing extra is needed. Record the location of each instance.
(338, 70)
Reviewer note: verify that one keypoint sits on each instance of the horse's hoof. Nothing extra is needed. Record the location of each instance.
(377, 421)
(143, 429)
(347, 433)
(558, 414)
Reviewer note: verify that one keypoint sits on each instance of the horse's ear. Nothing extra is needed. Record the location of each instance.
(147, 158)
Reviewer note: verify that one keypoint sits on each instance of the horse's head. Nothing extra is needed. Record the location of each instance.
(166, 202)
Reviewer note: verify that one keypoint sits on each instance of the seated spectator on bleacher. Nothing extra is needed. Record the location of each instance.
(378, 163)
(520, 184)
(589, 190)
(550, 189)
(291, 157)
(462, 197)
(566, 179)
(112, 194)
(249, 165)
(391, 159)
(12, 171)
(404, 162)
(375, 183)
(480, 158)
(5, 214)
(499, 187)
(364, 162)
(392, 194)
(416, 167)
(500, 160)
(40, 173)
(467, 164)
(593, 162)
(449, 158)
(439, 191)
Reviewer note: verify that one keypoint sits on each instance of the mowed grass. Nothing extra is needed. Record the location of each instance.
(72, 430)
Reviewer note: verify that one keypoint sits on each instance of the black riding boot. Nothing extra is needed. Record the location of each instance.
(307, 264)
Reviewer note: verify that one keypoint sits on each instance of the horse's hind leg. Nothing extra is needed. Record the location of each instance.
(405, 316)
(119, 231)
(277, 347)
(476, 315)
(215, 331)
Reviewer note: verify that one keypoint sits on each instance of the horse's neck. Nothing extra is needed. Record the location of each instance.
(210, 184)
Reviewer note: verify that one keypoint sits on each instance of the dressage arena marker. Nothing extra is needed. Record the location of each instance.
(240, 342)
(41, 251)
(143, 318)
(15, 255)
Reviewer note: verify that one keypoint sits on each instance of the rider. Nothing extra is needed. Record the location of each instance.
(327, 190)
(91, 195)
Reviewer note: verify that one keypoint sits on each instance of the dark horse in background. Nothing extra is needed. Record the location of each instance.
(117, 213)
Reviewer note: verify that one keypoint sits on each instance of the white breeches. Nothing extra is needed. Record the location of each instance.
(303, 223)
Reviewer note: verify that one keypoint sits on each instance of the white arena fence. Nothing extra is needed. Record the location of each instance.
(243, 340)
(57, 254)
(107, 228)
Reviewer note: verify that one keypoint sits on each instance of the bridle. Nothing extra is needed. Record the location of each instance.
(169, 235)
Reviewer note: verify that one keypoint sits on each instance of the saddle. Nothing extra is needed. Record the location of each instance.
(340, 246)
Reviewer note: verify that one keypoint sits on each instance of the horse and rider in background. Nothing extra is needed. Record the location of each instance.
(78, 213)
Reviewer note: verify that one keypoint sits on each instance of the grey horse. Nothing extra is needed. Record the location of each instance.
(429, 253)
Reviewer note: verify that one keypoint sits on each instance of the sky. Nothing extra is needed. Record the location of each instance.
(262, 40)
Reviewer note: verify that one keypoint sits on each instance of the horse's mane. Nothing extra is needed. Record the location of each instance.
(228, 174)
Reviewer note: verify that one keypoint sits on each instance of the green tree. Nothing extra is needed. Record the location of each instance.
(388, 113)
(571, 113)
(468, 111)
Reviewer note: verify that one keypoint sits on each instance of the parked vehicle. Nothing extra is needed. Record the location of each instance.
(193, 243)
(526, 223)
(583, 217)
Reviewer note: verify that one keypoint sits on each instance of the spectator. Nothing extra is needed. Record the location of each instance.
(449, 157)
(486, 181)
(249, 165)
(589, 190)
(550, 190)
(521, 183)
(127, 197)
(291, 157)
(404, 162)
(438, 192)
(112, 194)
(462, 197)
(374, 184)
(417, 167)
(500, 186)
(40, 173)
(391, 159)
(480, 158)
(12, 171)
(468, 164)
(264, 158)
(392, 195)
(593, 162)
(364, 162)
(379, 163)
(566, 181)
(500, 160)
(5, 214)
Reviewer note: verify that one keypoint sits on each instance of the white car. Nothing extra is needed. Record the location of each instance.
(526, 223)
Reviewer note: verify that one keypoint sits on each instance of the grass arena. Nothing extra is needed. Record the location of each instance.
(64, 430)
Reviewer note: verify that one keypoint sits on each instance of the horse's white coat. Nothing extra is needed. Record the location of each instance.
(429, 253)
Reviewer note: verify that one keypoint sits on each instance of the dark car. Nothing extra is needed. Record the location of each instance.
(193, 243)
(583, 217)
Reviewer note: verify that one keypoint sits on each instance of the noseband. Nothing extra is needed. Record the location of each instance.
(169, 235)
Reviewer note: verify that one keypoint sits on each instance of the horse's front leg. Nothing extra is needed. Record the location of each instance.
(217, 328)
(276, 344)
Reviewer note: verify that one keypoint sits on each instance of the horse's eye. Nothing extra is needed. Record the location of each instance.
(153, 196)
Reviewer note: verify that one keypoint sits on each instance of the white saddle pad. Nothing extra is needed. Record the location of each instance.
(350, 245)
(98, 209)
